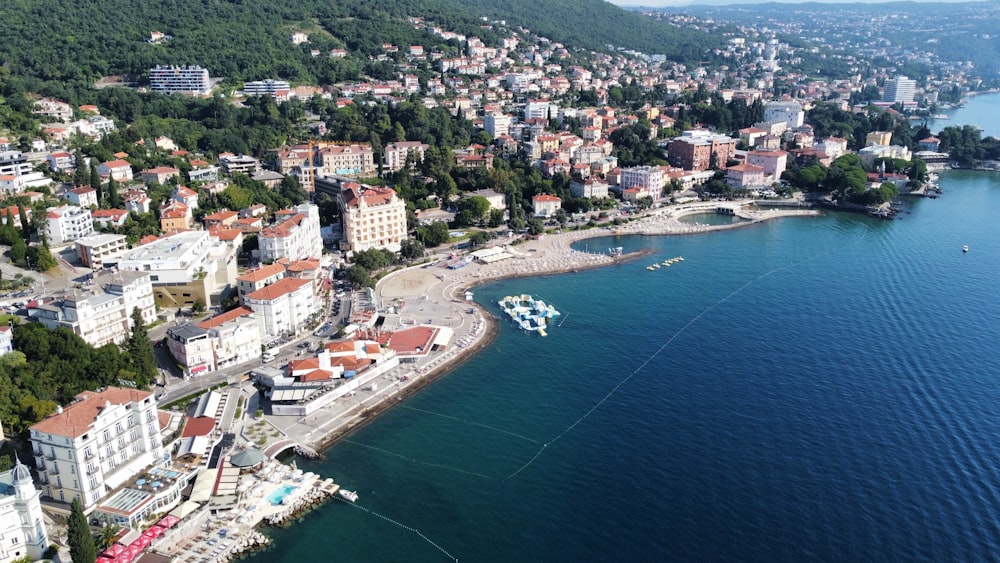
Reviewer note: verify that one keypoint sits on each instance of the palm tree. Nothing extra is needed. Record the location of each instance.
(107, 536)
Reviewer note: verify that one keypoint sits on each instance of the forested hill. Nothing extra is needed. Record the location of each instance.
(79, 41)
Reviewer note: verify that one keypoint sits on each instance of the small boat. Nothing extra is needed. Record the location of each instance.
(965, 248)
(348, 495)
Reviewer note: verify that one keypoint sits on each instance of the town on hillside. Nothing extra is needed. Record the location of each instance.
(204, 254)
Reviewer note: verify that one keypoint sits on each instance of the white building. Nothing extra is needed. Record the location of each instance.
(101, 314)
(118, 170)
(397, 153)
(6, 340)
(790, 113)
(14, 163)
(95, 250)
(591, 188)
(184, 267)
(648, 178)
(373, 217)
(295, 235)
(241, 164)
(545, 205)
(235, 335)
(537, 109)
(260, 278)
(899, 89)
(277, 89)
(496, 124)
(22, 526)
(67, 223)
(83, 196)
(284, 307)
(872, 153)
(773, 163)
(96, 443)
(192, 80)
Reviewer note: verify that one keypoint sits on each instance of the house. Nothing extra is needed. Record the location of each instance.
(743, 176)
(397, 153)
(175, 216)
(185, 195)
(545, 205)
(773, 163)
(136, 201)
(591, 188)
(74, 440)
(295, 235)
(284, 307)
(931, 144)
(497, 200)
(224, 218)
(61, 162)
(109, 218)
(117, 170)
(259, 278)
(83, 196)
(159, 174)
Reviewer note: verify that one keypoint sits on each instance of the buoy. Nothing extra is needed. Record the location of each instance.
(965, 248)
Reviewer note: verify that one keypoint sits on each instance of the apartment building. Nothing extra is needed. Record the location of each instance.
(14, 163)
(648, 178)
(191, 80)
(185, 267)
(592, 188)
(260, 278)
(277, 89)
(284, 307)
(397, 153)
(102, 313)
(346, 160)
(94, 251)
(67, 223)
(241, 164)
(694, 150)
(83, 196)
(22, 524)
(545, 205)
(295, 235)
(790, 113)
(496, 124)
(372, 217)
(117, 170)
(235, 335)
(773, 163)
(95, 444)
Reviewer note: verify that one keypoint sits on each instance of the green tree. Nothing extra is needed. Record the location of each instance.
(81, 173)
(95, 182)
(107, 536)
(411, 249)
(40, 259)
(19, 253)
(434, 234)
(359, 276)
(140, 351)
(81, 543)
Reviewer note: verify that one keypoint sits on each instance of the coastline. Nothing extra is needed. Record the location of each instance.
(550, 255)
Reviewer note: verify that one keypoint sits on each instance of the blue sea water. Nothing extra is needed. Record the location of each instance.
(980, 111)
(806, 389)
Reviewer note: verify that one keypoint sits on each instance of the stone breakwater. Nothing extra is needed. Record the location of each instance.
(249, 542)
(303, 502)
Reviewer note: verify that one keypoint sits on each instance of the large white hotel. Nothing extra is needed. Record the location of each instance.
(191, 80)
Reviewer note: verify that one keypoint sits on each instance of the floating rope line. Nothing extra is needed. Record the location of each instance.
(401, 525)
(421, 462)
(501, 430)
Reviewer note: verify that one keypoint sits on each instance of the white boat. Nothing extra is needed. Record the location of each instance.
(348, 495)
(965, 248)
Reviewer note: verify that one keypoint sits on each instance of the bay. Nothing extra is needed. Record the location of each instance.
(981, 111)
(803, 389)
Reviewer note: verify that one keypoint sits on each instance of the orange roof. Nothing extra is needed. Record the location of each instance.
(148, 239)
(225, 234)
(281, 287)
(303, 265)
(221, 215)
(117, 164)
(262, 273)
(77, 418)
(200, 426)
(223, 318)
(317, 375)
(545, 197)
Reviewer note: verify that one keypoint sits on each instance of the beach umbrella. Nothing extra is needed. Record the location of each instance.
(115, 550)
(154, 532)
(168, 521)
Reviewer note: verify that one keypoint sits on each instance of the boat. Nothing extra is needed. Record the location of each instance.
(965, 248)
(348, 495)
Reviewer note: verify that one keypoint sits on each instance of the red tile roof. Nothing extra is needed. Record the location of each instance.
(281, 287)
(76, 419)
(262, 273)
(223, 318)
(200, 426)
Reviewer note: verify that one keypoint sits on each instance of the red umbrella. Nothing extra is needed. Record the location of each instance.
(168, 521)
(115, 550)
(105, 559)
(154, 532)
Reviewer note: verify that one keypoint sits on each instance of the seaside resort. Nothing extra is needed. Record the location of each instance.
(205, 496)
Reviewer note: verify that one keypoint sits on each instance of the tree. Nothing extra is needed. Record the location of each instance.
(140, 351)
(81, 543)
(472, 210)
(19, 253)
(359, 276)
(81, 174)
(434, 234)
(40, 259)
(411, 249)
(95, 182)
(107, 536)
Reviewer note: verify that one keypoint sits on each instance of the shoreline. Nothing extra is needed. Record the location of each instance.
(550, 255)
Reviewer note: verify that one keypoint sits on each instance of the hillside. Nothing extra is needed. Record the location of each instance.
(78, 41)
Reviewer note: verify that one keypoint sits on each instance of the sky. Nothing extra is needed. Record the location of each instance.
(666, 3)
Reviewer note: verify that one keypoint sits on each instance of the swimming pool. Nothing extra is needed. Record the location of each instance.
(168, 473)
(277, 495)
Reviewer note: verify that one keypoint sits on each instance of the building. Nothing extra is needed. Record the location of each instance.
(497, 200)
(53, 109)
(191, 80)
(159, 174)
(14, 163)
(647, 178)
(241, 164)
(592, 188)
(6, 345)
(397, 153)
(109, 218)
(372, 217)
(260, 278)
(277, 89)
(102, 313)
(83, 196)
(545, 205)
(295, 235)
(537, 109)
(790, 113)
(878, 138)
(872, 153)
(95, 250)
(185, 267)
(743, 176)
(67, 223)
(235, 335)
(283, 308)
(95, 444)
(61, 162)
(496, 124)
(347, 160)
(22, 524)
(117, 170)
(697, 149)
(899, 89)
(773, 163)
(193, 348)
(224, 218)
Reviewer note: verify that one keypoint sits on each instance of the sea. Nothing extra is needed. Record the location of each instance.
(808, 389)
